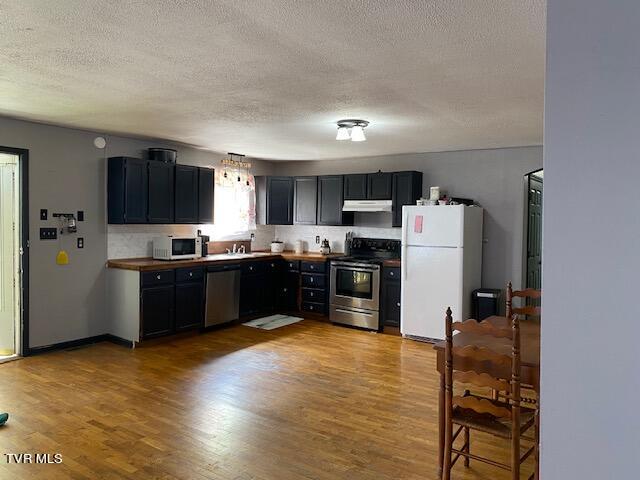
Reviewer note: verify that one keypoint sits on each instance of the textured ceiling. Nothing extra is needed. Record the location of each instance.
(269, 78)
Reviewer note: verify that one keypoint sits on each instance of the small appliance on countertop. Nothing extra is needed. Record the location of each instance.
(277, 246)
(355, 282)
(325, 248)
(169, 247)
(204, 242)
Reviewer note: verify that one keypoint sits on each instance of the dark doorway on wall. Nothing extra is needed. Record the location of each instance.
(534, 182)
(14, 250)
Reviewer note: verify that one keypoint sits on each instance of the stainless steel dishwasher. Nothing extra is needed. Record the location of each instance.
(223, 294)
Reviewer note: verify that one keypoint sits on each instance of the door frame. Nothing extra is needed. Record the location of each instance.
(526, 179)
(23, 168)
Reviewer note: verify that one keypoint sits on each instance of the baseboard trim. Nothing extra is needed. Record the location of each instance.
(81, 342)
(66, 345)
(119, 341)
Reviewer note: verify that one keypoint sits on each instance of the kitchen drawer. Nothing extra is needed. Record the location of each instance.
(313, 295)
(313, 267)
(292, 265)
(158, 277)
(313, 281)
(252, 267)
(191, 274)
(311, 307)
(272, 265)
(391, 273)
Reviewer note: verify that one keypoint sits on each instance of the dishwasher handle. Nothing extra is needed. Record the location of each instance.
(223, 268)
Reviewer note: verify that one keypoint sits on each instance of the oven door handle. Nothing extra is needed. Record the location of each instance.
(353, 268)
(340, 310)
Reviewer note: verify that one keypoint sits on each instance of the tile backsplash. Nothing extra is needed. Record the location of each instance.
(131, 241)
(307, 233)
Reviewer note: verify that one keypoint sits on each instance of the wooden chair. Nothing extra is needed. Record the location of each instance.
(528, 309)
(470, 411)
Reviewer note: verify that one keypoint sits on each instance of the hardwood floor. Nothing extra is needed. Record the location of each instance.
(306, 401)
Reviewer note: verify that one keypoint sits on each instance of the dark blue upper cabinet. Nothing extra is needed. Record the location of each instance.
(205, 195)
(407, 188)
(279, 201)
(186, 194)
(379, 186)
(330, 201)
(305, 200)
(127, 190)
(161, 189)
(368, 186)
(355, 186)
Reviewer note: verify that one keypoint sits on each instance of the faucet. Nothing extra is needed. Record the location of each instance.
(236, 250)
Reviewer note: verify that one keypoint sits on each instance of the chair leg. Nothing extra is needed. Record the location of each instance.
(448, 445)
(515, 458)
(537, 451)
(467, 442)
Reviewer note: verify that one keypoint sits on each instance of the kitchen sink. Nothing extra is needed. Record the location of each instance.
(228, 256)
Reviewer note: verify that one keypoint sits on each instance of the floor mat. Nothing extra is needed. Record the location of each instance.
(272, 322)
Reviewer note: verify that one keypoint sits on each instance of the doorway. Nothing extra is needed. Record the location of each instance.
(13, 242)
(534, 182)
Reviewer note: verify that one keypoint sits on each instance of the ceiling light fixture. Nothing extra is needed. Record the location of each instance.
(343, 134)
(351, 129)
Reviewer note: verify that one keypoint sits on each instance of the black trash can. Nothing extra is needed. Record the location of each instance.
(485, 302)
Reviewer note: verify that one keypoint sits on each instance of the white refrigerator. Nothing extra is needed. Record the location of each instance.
(441, 266)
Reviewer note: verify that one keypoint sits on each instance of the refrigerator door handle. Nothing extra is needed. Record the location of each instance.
(403, 258)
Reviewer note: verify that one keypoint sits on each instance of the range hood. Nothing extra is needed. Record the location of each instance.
(367, 206)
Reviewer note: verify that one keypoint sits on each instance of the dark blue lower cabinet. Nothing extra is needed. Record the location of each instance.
(189, 306)
(157, 304)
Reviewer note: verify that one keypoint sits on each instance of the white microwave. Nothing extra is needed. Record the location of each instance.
(176, 248)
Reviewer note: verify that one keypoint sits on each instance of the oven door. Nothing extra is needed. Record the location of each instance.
(355, 285)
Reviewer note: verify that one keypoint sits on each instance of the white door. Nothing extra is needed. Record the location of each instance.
(9, 258)
(431, 282)
(436, 226)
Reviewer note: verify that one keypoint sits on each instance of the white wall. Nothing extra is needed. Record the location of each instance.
(67, 173)
(591, 326)
(494, 178)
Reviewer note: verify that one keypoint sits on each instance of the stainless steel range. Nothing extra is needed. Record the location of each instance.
(355, 282)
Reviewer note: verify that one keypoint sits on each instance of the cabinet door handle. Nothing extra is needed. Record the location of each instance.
(312, 267)
(391, 274)
(158, 277)
(311, 294)
(398, 304)
(191, 274)
(311, 280)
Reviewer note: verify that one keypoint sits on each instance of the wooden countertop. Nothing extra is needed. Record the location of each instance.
(147, 263)
(396, 262)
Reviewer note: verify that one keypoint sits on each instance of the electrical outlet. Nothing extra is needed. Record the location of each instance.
(44, 214)
(80, 242)
(48, 233)
(253, 237)
(317, 238)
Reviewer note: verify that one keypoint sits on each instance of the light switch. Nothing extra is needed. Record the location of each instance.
(80, 242)
(48, 233)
